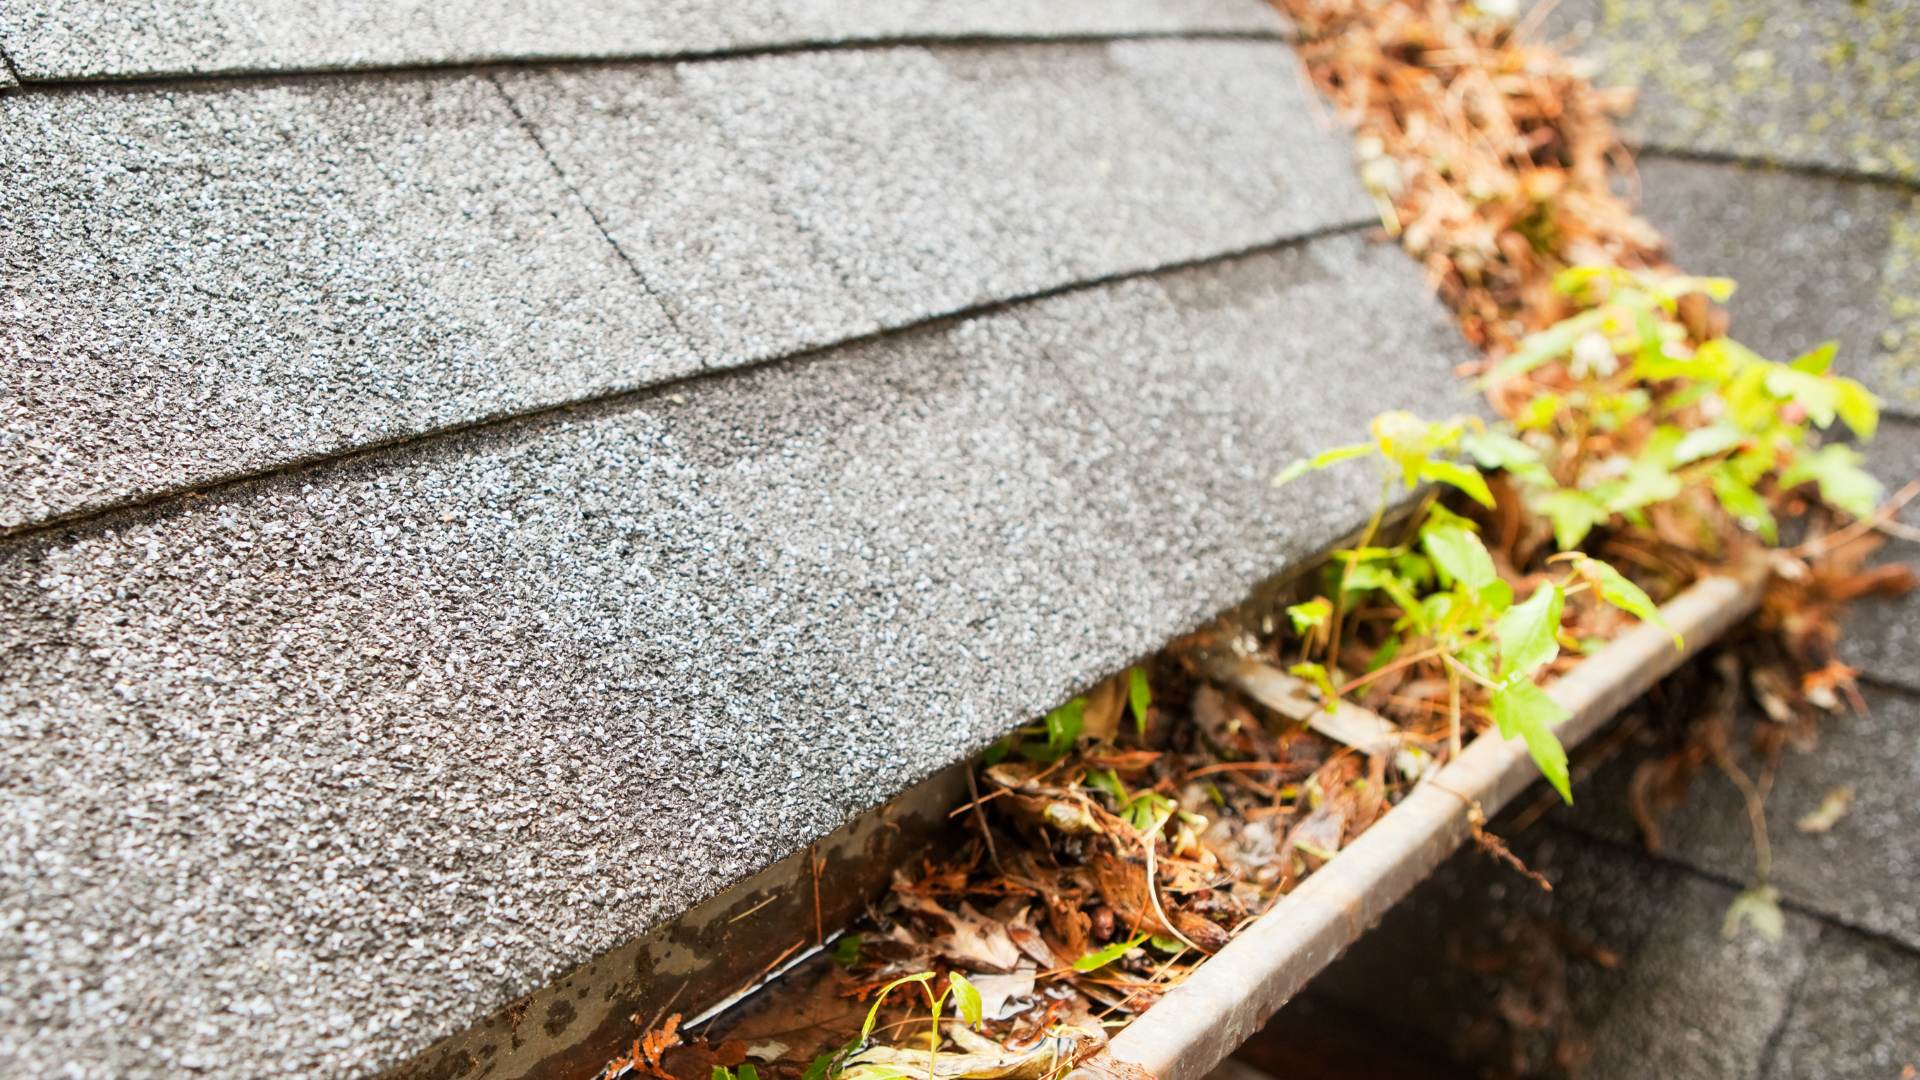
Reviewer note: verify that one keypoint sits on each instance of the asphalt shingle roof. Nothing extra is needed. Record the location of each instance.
(91, 39)
(212, 280)
(342, 756)
(616, 475)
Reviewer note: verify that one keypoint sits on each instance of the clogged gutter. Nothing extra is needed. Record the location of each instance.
(1117, 843)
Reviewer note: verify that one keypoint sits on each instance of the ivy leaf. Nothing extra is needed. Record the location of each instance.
(1859, 409)
(1843, 483)
(1320, 461)
(1523, 709)
(1459, 476)
(1813, 393)
(1573, 514)
(966, 999)
(1140, 696)
(1461, 556)
(1094, 961)
(1615, 589)
(1527, 632)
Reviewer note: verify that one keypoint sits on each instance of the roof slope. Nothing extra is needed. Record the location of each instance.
(626, 474)
(230, 277)
(91, 39)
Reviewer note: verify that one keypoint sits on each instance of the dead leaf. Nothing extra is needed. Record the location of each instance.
(1828, 814)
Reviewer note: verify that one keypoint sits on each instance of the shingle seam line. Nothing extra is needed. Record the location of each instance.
(104, 515)
(573, 189)
(1771, 1049)
(1798, 907)
(6, 64)
(1748, 161)
(165, 79)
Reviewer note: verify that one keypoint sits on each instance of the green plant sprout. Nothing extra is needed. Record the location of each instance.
(1451, 597)
(843, 1064)
(1629, 419)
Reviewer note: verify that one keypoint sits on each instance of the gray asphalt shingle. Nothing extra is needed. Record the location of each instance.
(884, 186)
(1858, 873)
(310, 772)
(295, 268)
(1857, 1014)
(213, 280)
(1825, 84)
(90, 39)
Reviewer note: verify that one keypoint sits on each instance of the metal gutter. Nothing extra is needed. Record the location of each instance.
(1196, 1025)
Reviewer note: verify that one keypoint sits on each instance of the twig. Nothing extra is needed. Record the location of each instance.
(980, 818)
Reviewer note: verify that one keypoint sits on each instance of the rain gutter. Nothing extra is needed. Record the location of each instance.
(1222, 1004)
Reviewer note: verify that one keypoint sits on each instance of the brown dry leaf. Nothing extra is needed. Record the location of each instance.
(1100, 720)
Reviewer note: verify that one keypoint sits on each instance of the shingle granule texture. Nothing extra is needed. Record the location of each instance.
(1859, 873)
(88, 39)
(786, 201)
(306, 774)
(1857, 1013)
(208, 282)
(204, 281)
(1827, 84)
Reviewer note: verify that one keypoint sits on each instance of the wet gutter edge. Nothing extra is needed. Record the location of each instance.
(1197, 1024)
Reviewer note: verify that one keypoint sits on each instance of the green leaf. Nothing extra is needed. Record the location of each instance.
(1648, 483)
(1140, 696)
(966, 999)
(1573, 513)
(1859, 409)
(1746, 505)
(1705, 442)
(1094, 961)
(1813, 393)
(1615, 589)
(1166, 943)
(1527, 632)
(1317, 675)
(1547, 345)
(1459, 476)
(846, 951)
(1320, 461)
(1817, 362)
(1314, 613)
(747, 1072)
(1107, 781)
(1498, 450)
(820, 1066)
(1461, 557)
(1523, 709)
(1843, 483)
(1063, 728)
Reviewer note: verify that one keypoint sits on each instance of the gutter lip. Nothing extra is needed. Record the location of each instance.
(1204, 1019)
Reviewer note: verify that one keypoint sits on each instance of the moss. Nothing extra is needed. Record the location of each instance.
(1746, 76)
